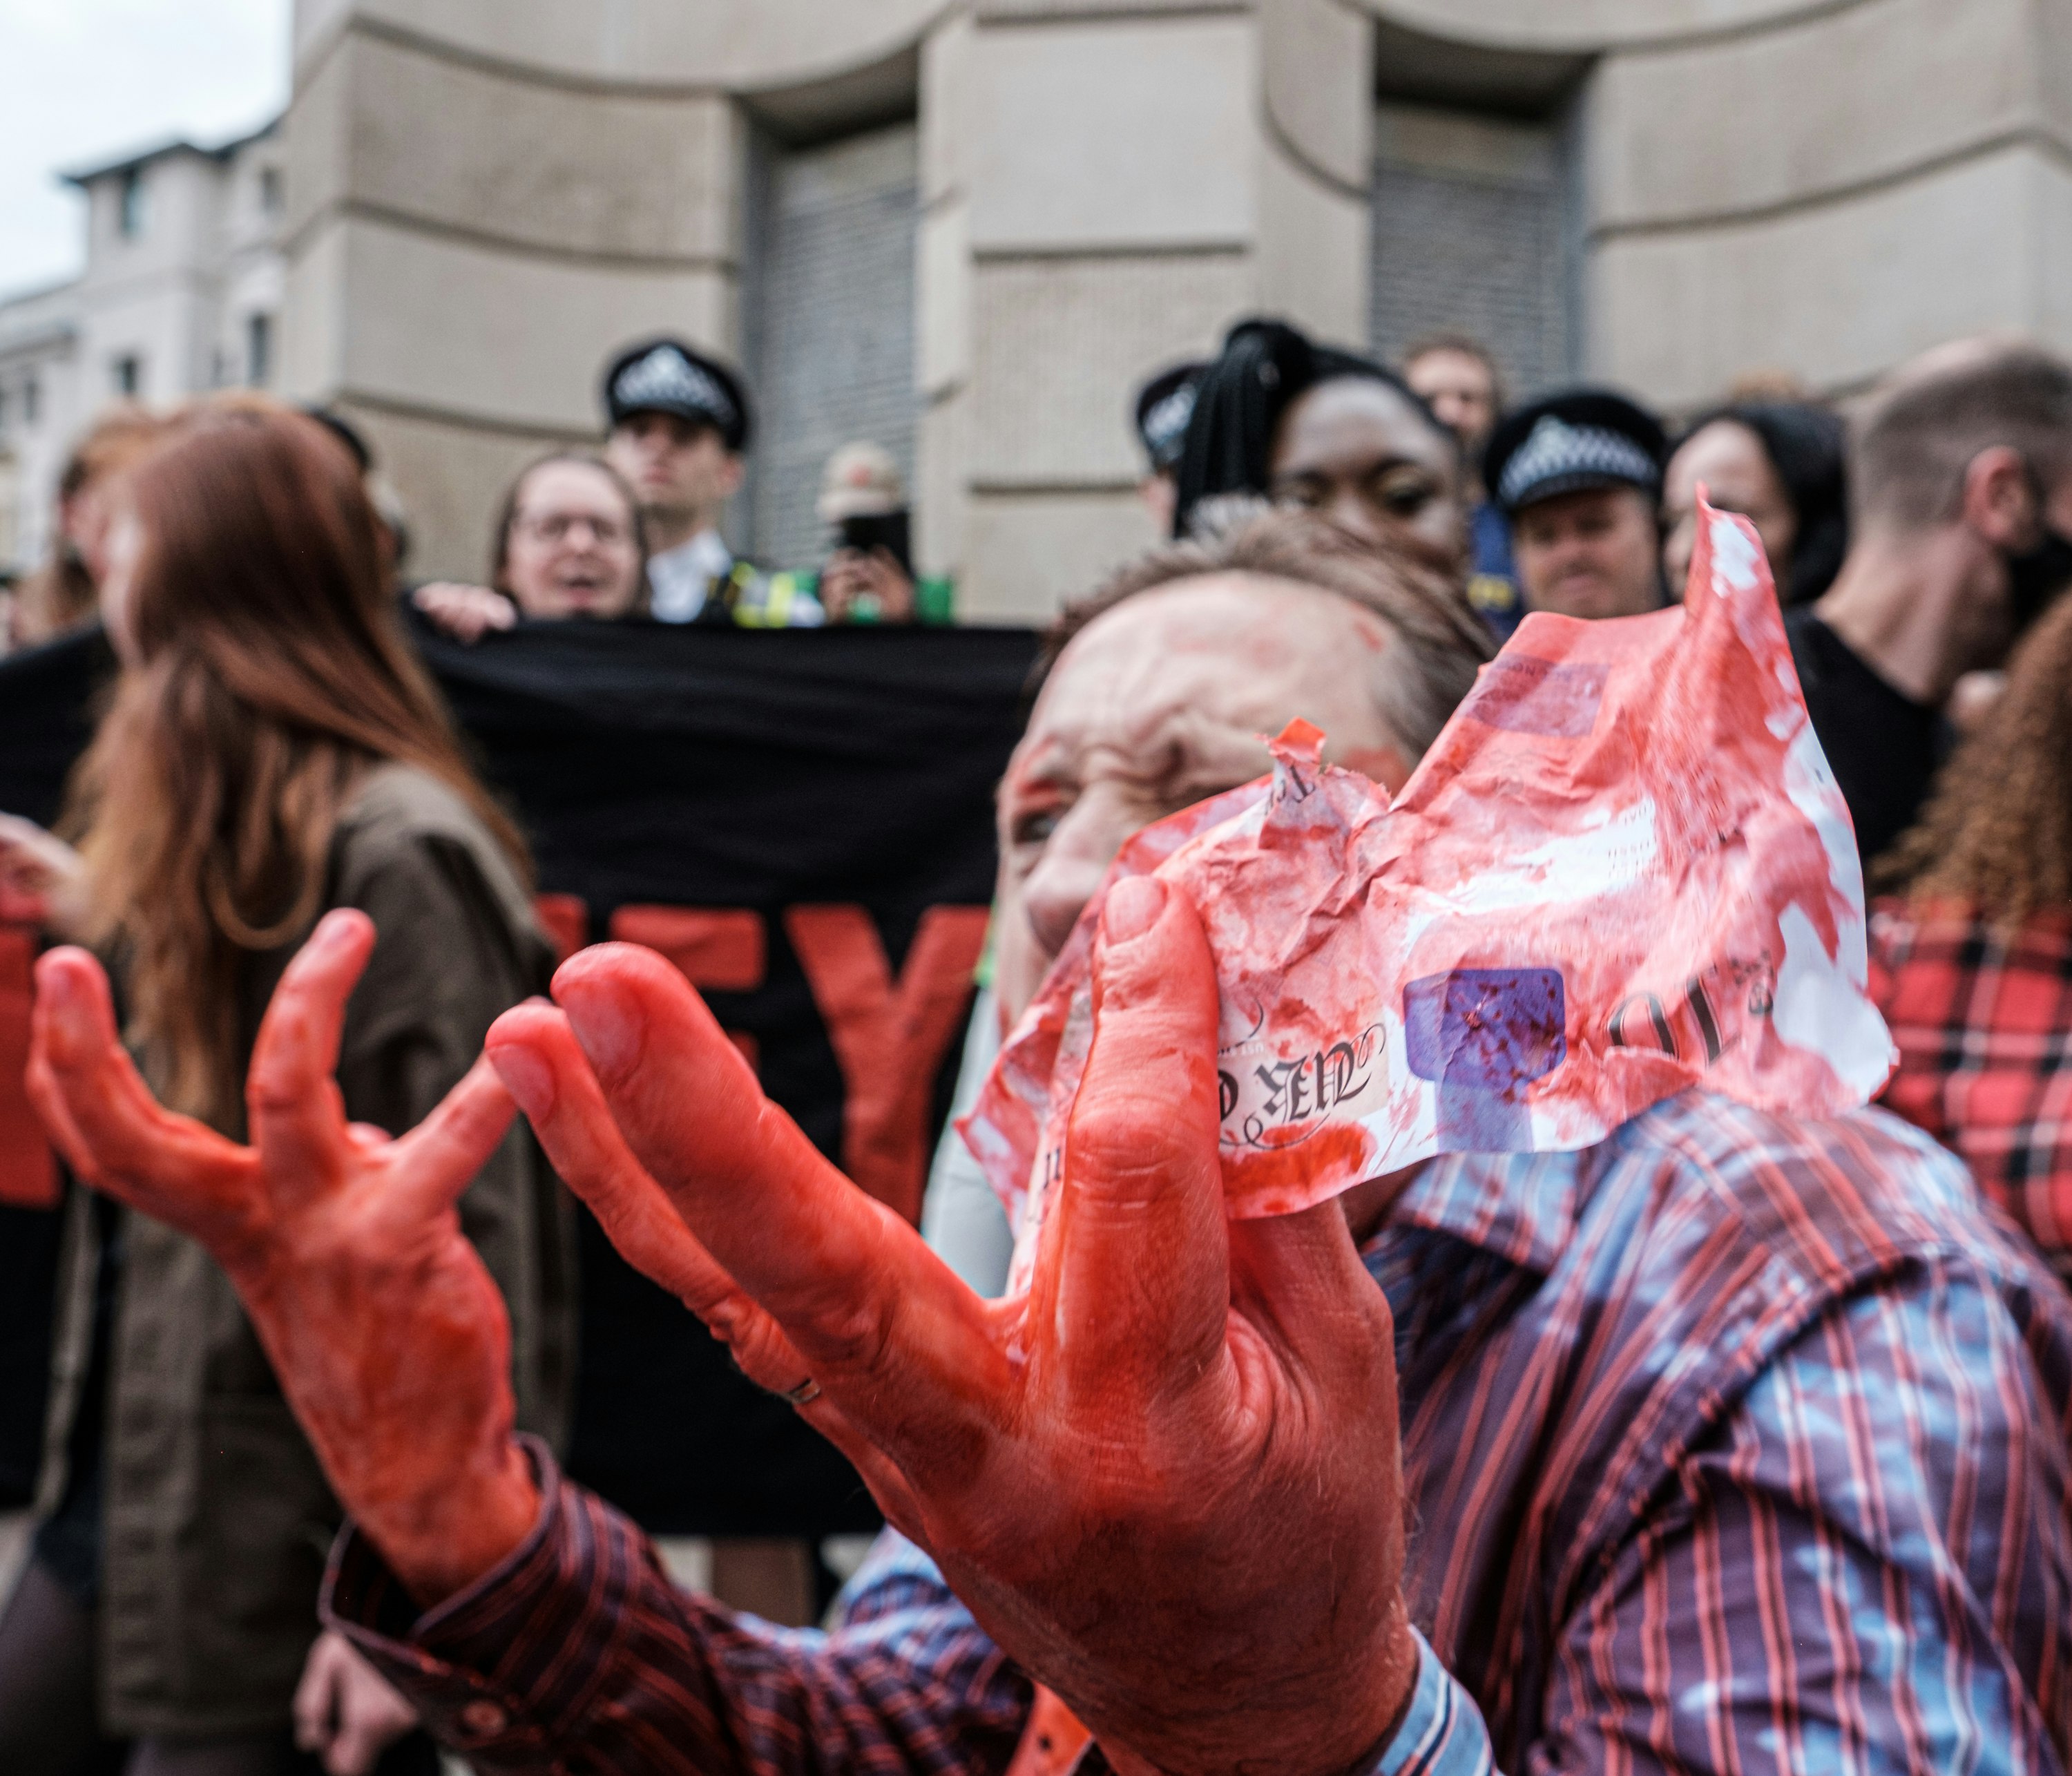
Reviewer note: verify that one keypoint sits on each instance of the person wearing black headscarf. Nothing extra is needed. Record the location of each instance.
(1781, 464)
(1302, 423)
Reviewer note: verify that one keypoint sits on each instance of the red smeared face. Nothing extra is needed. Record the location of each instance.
(1155, 706)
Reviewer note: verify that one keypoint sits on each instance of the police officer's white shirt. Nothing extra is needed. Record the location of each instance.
(681, 578)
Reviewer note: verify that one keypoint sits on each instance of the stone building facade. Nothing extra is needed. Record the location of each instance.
(181, 293)
(968, 228)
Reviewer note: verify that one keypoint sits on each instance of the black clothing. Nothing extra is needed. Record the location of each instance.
(1883, 747)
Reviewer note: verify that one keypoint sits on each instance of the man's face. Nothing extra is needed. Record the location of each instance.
(1459, 390)
(1355, 451)
(681, 470)
(1154, 706)
(1588, 554)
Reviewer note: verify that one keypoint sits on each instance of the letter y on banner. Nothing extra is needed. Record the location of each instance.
(889, 1039)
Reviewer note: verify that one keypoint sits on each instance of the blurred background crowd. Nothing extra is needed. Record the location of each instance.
(815, 314)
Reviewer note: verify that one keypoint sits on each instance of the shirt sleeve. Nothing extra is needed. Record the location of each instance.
(1443, 1734)
(1858, 1570)
(577, 1654)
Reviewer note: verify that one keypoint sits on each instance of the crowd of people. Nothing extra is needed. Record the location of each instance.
(1738, 1440)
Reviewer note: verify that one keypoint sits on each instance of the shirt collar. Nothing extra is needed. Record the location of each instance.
(1519, 1206)
(680, 577)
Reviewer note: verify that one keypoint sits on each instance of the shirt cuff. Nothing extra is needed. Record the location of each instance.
(496, 1669)
(1443, 1734)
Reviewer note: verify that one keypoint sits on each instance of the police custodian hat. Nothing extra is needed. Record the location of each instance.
(1585, 437)
(1164, 406)
(668, 376)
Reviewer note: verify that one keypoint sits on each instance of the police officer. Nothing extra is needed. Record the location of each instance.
(679, 425)
(1164, 406)
(1579, 475)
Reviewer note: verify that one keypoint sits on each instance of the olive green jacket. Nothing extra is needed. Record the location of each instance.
(217, 1518)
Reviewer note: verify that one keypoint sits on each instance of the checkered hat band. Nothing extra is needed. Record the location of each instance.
(1575, 456)
(666, 378)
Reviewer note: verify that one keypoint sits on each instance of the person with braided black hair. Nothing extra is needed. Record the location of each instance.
(1309, 426)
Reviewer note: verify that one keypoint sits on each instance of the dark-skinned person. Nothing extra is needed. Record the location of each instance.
(1578, 475)
(1310, 426)
(567, 543)
(1960, 495)
(1275, 416)
(1972, 948)
(1781, 464)
(1733, 1439)
(272, 751)
(1160, 412)
(1456, 377)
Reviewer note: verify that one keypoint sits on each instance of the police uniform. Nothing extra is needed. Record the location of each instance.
(1568, 443)
(1164, 405)
(700, 580)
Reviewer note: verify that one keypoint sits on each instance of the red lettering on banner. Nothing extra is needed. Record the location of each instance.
(28, 1170)
(565, 919)
(889, 1040)
(723, 949)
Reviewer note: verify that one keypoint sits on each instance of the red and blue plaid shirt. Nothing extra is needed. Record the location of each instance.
(1982, 1019)
(1730, 1443)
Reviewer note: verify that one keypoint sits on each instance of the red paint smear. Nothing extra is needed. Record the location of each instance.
(1284, 1175)
(1320, 899)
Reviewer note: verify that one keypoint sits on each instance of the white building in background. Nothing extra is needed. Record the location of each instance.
(181, 293)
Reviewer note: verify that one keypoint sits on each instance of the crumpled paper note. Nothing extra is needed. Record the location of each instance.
(1623, 868)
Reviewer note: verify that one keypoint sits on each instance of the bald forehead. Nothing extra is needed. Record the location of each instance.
(1233, 649)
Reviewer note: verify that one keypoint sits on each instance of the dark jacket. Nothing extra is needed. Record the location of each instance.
(215, 1518)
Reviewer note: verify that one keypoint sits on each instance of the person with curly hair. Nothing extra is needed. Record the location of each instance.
(1971, 955)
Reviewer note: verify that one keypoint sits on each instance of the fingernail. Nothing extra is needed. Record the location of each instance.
(607, 1022)
(334, 928)
(1133, 906)
(526, 1077)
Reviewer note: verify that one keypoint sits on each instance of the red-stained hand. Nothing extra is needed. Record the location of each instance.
(1167, 1482)
(388, 1337)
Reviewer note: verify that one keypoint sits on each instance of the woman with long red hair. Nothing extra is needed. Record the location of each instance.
(271, 750)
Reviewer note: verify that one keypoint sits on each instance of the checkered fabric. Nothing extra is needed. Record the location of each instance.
(1983, 1022)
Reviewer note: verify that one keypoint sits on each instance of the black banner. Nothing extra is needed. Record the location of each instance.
(802, 820)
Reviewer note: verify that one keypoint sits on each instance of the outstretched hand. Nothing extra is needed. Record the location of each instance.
(1166, 1480)
(388, 1335)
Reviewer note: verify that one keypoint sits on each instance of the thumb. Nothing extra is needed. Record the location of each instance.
(1139, 1255)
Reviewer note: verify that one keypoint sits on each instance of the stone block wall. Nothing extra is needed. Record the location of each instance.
(488, 195)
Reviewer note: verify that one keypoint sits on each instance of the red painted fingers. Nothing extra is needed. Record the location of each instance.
(1136, 1265)
(297, 1112)
(534, 1049)
(111, 1131)
(437, 1160)
(901, 1346)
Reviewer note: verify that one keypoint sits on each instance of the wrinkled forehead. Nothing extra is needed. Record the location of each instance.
(570, 487)
(1231, 652)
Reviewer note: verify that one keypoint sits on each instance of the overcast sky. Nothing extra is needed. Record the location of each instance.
(82, 81)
